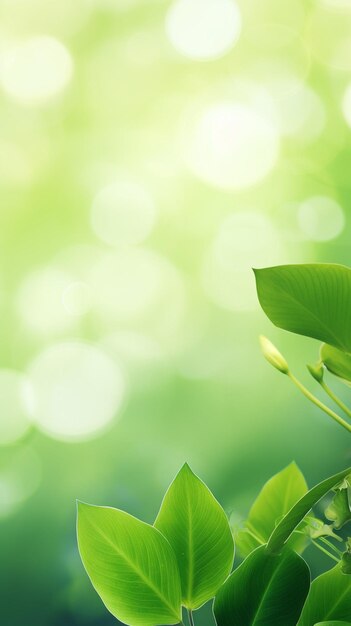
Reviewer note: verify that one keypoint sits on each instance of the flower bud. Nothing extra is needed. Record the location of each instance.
(273, 355)
(317, 371)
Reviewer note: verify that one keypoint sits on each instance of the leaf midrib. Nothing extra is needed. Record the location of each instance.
(137, 570)
(275, 573)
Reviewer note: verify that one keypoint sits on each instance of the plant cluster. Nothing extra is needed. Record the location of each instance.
(146, 573)
(312, 300)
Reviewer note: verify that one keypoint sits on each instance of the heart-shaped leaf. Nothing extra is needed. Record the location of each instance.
(265, 589)
(329, 599)
(198, 530)
(292, 519)
(336, 361)
(275, 499)
(131, 565)
(312, 300)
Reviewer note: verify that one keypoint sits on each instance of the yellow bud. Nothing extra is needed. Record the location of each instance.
(273, 355)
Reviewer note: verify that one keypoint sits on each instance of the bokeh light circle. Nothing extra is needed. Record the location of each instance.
(123, 213)
(15, 406)
(232, 146)
(77, 390)
(245, 239)
(35, 70)
(77, 298)
(203, 29)
(321, 218)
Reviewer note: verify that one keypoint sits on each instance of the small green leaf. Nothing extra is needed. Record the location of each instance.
(198, 530)
(312, 300)
(275, 499)
(329, 599)
(336, 361)
(131, 565)
(339, 510)
(265, 589)
(292, 519)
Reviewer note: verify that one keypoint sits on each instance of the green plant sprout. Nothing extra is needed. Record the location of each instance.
(312, 300)
(147, 574)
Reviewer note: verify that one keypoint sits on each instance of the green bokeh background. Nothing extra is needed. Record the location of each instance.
(197, 386)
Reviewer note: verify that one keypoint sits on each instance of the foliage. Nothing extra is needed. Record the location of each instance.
(312, 300)
(145, 574)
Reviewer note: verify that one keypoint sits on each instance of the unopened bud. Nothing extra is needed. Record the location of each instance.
(317, 371)
(273, 355)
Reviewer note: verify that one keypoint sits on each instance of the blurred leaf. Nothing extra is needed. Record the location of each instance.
(265, 589)
(275, 499)
(292, 519)
(336, 361)
(312, 300)
(339, 510)
(131, 565)
(329, 598)
(198, 530)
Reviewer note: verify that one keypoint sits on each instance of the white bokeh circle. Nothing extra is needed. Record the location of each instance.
(321, 218)
(77, 390)
(15, 406)
(35, 70)
(203, 29)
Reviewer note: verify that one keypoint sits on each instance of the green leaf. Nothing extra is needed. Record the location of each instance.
(312, 300)
(198, 530)
(336, 361)
(275, 499)
(131, 565)
(292, 519)
(329, 599)
(339, 510)
(265, 589)
(333, 623)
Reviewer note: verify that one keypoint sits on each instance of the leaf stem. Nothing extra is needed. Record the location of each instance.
(318, 403)
(335, 398)
(315, 543)
(191, 618)
(331, 545)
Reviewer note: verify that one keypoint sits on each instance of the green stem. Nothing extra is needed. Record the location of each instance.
(331, 546)
(318, 403)
(335, 398)
(324, 550)
(191, 619)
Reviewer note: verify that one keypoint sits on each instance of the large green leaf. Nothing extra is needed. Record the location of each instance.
(329, 599)
(336, 361)
(333, 623)
(265, 590)
(312, 300)
(131, 565)
(198, 530)
(275, 499)
(292, 519)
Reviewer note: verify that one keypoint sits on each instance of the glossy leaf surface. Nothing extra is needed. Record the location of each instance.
(131, 565)
(336, 361)
(265, 589)
(198, 530)
(296, 514)
(275, 499)
(312, 300)
(329, 599)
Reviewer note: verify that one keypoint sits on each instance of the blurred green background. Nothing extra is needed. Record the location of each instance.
(151, 153)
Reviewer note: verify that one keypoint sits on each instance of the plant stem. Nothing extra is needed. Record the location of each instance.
(331, 556)
(191, 619)
(318, 403)
(331, 546)
(335, 398)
